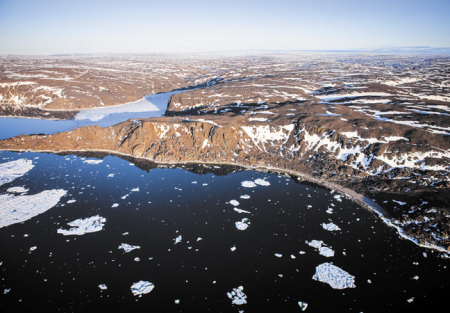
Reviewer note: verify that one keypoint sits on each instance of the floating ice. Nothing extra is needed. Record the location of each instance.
(243, 224)
(248, 184)
(323, 249)
(115, 205)
(83, 226)
(135, 189)
(234, 202)
(178, 239)
(142, 287)
(33, 248)
(102, 287)
(262, 182)
(71, 201)
(245, 197)
(334, 276)
(93, 161)
(14, 169)
(233, 248)
(237, 296)
(241, 211)
(127, 248)
(338, 198)
(303, 305)
(17, 190)
(17, 209)
(330, 226)
(278, 255)
(399, 202)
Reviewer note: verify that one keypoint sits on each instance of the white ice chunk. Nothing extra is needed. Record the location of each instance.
(17, 209)
(278, 255)
(399, 202)
(237, 296)
(83, 226)
(14, 169)
(102, 287)
(245, 197)
(234, 202)
(262, 182)
(303, 305)
(142, 287)
(241, 211)
(248, 184)
(233, 248)
(93, 161)
(243, 224)
(17, 190)
(330, 226)
(336, 277)
(178, 239)
(135, 189)
(127, 248)
(323, 249)
(115, 205)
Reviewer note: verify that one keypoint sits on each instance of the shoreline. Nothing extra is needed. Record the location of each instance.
(349, 193)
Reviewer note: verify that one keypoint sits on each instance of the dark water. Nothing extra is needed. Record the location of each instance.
(63, 273)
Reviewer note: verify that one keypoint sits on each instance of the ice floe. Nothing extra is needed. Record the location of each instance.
(142, 287)
(248, 184)
(303, 305)
(102, 287)
(17, 190)
(245, 197)
(323, 249)
(336, 277)
(262, 182)
(178, 239)
(14, 169)
(241, 211)
(237, 296)
(17, 209)
(83, 226)
(127, 248)
(243, 224)
(234, 202)
(93, 161)
(330, 226)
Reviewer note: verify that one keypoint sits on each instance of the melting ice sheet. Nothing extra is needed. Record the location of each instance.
(14, 169)
(17, 209)
(83, 226)
(142, 287)
(336, 277)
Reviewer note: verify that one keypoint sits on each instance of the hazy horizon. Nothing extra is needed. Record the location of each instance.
(80, 27)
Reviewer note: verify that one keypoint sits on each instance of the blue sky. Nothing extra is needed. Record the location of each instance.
(137, 26)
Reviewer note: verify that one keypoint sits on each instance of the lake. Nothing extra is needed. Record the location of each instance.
(197, 238)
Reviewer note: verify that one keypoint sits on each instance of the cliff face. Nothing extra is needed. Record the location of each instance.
(318, 152)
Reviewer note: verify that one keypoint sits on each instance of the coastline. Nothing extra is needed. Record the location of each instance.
(349, 193)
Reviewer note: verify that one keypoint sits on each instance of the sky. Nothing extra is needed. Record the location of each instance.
(137, 26)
